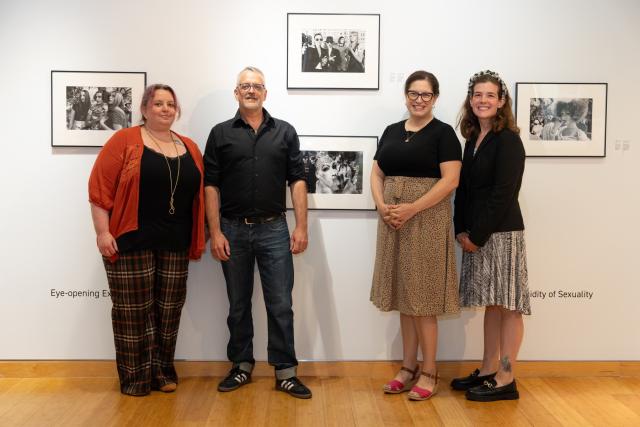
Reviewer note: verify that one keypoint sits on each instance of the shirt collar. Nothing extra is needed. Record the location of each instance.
(267, 121)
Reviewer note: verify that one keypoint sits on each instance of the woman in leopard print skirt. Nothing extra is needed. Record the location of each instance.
(415, 170)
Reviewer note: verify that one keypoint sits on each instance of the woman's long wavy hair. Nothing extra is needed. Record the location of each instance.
(468, 122)
(86, 104)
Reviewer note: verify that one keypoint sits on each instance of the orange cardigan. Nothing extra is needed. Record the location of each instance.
(114, 185)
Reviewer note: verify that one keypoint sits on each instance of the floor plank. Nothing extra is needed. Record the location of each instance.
(343, 395)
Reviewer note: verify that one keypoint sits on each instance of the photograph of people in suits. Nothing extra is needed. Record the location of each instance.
(333, 51)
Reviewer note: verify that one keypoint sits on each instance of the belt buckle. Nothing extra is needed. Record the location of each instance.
(246, 221)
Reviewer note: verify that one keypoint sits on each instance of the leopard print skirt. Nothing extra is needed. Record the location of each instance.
(415, 268)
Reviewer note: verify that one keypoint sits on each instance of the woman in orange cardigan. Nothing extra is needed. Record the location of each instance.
(147, 206)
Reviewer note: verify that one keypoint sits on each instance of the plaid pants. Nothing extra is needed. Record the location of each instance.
(148, 289)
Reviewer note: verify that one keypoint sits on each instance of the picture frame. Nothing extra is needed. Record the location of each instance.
(333, 51)
(562, 119)
(338, 170)
(80, 112)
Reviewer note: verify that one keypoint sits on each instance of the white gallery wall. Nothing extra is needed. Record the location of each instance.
(581, 214)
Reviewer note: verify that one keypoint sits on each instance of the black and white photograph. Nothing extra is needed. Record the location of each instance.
(333, 172)
(98, 108)
(562, 119)
(88, 106)
(338, 170)
(333, 51)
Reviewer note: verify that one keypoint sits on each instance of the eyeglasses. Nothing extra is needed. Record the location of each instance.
(246, 87)
(425, 96)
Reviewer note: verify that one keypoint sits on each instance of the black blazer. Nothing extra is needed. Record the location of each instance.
(487, 196)
(311, 58)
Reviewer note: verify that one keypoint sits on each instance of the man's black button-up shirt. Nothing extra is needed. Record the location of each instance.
(251, 169)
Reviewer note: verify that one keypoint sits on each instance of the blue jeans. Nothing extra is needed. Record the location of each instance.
(268, 244)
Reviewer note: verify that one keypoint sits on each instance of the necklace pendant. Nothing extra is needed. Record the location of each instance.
(172, 209)
(408, 135)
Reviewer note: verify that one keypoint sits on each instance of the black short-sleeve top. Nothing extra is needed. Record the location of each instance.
(419, 154)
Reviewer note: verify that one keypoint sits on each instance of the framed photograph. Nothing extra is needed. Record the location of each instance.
(87, 107)
(333, 51)
(338, 170)
(562, 119)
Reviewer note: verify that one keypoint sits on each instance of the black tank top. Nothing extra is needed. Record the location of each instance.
(157, 229)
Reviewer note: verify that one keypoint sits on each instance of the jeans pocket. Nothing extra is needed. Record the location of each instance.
(279, 224)
(228, 228)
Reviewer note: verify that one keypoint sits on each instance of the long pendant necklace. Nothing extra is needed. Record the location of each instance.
(172, 187)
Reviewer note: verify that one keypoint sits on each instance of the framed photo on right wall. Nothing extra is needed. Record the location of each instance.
(562, 119)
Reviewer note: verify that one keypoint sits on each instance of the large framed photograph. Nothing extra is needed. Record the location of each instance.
(338, 170)
(87, 107)
(333, 51)
(562, 119)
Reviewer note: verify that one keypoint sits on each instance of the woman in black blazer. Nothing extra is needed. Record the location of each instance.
(489, 227)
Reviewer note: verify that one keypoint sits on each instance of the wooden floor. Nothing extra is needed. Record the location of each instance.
(344, 394)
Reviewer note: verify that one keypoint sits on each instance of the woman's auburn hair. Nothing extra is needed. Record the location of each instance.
(468, 122)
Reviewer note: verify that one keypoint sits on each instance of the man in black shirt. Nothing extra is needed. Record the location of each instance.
(248, 162)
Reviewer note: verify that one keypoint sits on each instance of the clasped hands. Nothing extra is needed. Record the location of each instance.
(395, 216)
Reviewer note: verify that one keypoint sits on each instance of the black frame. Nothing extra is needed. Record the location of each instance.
(602, 120)
(102, 134)
(311, 87)
(338, 145)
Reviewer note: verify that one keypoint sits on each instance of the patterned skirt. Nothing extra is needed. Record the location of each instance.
(415, 268)
(496, 274)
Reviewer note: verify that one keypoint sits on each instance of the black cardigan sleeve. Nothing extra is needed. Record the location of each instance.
(509, 168)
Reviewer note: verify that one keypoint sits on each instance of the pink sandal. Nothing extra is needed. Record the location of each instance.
(396, 387)
(419, 393)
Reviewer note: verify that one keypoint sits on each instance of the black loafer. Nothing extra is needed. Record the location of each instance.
(236, 378)
(294, 387)
(488, 392)
(472, 380)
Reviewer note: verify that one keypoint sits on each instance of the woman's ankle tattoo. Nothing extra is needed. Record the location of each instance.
(505, 364)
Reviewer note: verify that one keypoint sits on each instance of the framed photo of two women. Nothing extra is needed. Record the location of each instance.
(562, 119)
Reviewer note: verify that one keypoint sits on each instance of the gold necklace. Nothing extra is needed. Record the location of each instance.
(172, 188)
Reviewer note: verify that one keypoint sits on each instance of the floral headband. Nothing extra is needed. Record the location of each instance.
(476, 76)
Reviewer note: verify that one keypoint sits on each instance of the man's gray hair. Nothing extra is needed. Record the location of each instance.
(253, 70)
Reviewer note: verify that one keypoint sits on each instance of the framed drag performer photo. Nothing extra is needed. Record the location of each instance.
(333, 51)
(338, 170)
(562, 119)
(87, 107)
